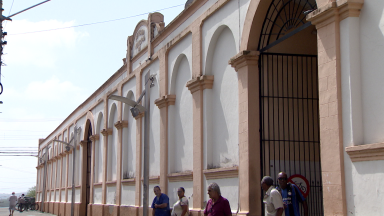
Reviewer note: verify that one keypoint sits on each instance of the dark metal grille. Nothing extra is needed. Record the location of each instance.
(283, 16)
(289, 121)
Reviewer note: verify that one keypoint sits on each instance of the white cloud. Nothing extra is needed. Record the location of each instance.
(54, 90)
(39, 49)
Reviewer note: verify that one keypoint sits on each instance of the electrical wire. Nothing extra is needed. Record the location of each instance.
(87, 24)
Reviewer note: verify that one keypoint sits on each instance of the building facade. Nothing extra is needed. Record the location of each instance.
(242, 89)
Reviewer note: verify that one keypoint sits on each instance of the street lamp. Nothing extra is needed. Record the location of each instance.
(136, 110)
(68, 146)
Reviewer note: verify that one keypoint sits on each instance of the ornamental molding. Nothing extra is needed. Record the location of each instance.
(244, 58)
(153, 180)
(200, 83)
(220, 173)
(121, 124)
(367, 152)
(95, 137)
(83, 142)
(165, 101)
(183, 176)
(341, 9)
(129, 182)
(106, 132)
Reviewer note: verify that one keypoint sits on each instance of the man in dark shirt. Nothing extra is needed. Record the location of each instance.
(217, 205)
(291, 197)
(160, 203)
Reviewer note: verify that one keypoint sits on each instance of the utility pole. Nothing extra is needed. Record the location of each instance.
(136, 110)
(146, 144)
(2, 34)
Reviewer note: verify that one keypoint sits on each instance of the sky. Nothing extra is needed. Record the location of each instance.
(51, 67)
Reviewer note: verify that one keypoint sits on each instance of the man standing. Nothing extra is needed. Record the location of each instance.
(160, 203)
(272, 199)
(12, 203)
(291, 197)
(217, 205)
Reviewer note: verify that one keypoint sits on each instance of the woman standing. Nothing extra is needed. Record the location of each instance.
(181, 207)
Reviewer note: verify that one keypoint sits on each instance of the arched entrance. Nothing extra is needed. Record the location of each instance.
(86, 169)
(289, 99)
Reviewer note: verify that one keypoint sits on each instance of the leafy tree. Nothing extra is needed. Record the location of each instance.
(31, 192)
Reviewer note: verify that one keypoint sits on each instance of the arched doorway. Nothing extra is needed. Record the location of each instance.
(289, 99)
(86, 169)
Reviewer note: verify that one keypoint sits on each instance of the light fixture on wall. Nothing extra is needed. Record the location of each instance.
(136, 110)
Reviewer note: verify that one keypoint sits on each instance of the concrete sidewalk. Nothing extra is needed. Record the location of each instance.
(5, 212)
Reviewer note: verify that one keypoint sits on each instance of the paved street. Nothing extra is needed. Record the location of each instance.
(5, 212)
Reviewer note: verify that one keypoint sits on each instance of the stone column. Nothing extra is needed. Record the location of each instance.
(196, 86)
(119, 125)
(246, 65)
(93, 138)
(163, 103)
(105, 133)
(327, 21)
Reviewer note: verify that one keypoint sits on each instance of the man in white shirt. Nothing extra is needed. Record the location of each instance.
(12, 203)
(272, 199)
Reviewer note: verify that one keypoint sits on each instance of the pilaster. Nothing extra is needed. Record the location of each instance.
(197, 86)
(163, 103)
(105, 133)
(119, 126)
(93, 138)
(246, 65)
(327, 20)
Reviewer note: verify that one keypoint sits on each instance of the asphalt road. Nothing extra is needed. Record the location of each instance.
(5, 212)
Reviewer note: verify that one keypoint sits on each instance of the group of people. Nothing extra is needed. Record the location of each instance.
(13, 200)
(279, 201)
(216, 206)
(283, 200)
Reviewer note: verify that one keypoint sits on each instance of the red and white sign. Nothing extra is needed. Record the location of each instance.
(301, 182)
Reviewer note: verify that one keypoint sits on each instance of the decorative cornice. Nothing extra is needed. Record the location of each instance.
(98, 184)
(95, 137)
(153, 180)
(200, 83)
(121, 124)
(110, 182)
(106, 132)
(131, 181)
(220, 173)
(244, 58)
(165, 101)
(328, 13)
(83, 142)
(367, 152)
(183, 176)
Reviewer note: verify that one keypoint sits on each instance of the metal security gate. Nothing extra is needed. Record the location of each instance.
(289, 121)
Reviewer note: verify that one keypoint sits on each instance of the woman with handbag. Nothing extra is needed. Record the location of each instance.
(181, 207)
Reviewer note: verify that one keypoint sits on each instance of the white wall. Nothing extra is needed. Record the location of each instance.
(362, 43)
(97, 194)
(180, 131)
(112, 144)
(221, 103)
(128, 195)
(111, 194)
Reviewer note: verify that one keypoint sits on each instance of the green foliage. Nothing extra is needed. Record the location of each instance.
(31, 192)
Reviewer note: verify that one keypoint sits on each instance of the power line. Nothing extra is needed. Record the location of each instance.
(87, 24)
